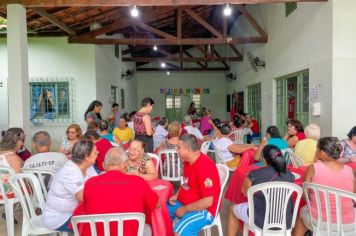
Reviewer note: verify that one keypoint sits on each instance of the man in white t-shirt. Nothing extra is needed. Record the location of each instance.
(44, 159)
(187, 121)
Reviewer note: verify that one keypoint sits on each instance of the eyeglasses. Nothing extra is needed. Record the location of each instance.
(134, 150)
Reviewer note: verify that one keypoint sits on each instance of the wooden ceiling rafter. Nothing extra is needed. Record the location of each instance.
(182, 69)
(177, 59)
(153, 30)
(54, 20)
(214, 51)
(81, 3)
(191, 56)
(202, 22)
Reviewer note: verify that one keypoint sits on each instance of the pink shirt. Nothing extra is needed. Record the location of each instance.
(204, 125)
(342, 179)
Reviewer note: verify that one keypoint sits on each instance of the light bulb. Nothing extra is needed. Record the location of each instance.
(155, 48)
(227, 10)
(168, 73)
(134, 12)
(163, 65)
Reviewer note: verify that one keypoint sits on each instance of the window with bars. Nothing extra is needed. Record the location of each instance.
(113, 94)
(51, 100)
(196, 98)
(173, 102)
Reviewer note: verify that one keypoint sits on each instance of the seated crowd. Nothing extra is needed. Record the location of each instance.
(111, 164)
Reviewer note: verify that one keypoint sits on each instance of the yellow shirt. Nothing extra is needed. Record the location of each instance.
(124, 135)
(306, 149)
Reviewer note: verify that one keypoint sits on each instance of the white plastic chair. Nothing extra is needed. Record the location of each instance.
(106, 219)
(172, 159)
(224, 175)
(277, 195)
(320, 227)
(220, 157)
(285, 153)
(25, 185)
(156, 157)
(238, 135)
(44, 176)
(295, 160)
(204, 148)
(6, 201)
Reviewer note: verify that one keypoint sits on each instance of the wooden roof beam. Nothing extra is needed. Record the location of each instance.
(201, 21)
(153, 30)
(252, 21)
(236, 51)
(146, 17)
(54, 20)
(182, 69)
(191, 56)
(218, 55)
(154, 41)
(177, 59)
(80, 3)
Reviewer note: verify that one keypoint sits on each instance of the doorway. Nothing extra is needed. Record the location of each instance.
(292, 99)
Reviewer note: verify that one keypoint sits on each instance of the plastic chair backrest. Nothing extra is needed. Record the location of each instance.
(238, 136)
(220, 157)
(204, 148)
(277, 195)
(224, 175)
(28, 189)
(285, 152)
(173, 166)
(106, 219)
(295, 160)
(156, 157)
(5, 175)
(45, 178)
(324, 193)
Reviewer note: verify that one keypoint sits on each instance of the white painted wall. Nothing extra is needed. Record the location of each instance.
(301, 41)
(344, 67)
(149, 84)
(94, 69)
(108, 73)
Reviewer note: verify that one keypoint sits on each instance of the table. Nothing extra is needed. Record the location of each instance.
(233, 192)
(161, 223)
(159, 219)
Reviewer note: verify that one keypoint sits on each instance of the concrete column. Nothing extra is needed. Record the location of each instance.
(18, 78)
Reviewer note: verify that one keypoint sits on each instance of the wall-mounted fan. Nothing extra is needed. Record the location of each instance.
(128, 74)
(255, 61)
(230, 76)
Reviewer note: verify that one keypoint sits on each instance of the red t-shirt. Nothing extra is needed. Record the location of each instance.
(255, 127)
(103, 145)
(300, 135)
(201, 179)
(115, 192)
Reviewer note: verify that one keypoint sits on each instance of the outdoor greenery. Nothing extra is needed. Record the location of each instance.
(2, 21)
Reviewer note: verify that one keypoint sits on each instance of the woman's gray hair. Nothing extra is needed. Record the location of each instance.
(115, 156)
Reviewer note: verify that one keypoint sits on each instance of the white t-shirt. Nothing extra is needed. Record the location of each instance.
(223, 144)
(159, 136)
(194, 131)
(51, 161)
(61, 199)
(130, 124)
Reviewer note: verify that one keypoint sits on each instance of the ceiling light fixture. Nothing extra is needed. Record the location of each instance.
(227, 10)
(163, 65)
(155, 48)
(134, 12)
(168, 73)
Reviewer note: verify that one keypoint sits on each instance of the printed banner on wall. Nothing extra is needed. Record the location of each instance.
(182, 91)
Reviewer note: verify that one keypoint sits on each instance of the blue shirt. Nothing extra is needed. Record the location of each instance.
(279, 142)
(109, 137)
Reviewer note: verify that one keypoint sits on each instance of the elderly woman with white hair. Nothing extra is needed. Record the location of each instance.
(306, 148)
